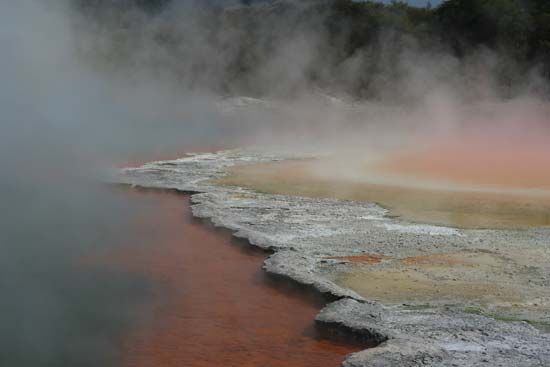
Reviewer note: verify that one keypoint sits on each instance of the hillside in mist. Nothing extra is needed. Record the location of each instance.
(283, 46)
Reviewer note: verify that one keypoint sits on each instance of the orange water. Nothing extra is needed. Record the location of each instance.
(217, 307)
(502, 160)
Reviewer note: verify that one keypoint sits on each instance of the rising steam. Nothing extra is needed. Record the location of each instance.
(89, 83)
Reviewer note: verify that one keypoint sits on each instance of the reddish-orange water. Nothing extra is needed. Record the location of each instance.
(479, 158)
(217, 307)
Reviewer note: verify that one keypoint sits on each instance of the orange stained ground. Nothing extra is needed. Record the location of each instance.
(506, 159)
(217, 307)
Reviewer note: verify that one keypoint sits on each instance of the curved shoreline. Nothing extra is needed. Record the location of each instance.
(302, 233)
(216, 305)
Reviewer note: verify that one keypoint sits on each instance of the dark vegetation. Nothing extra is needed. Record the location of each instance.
(351, 45)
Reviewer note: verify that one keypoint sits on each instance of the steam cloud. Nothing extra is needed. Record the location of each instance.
(87, 85)
(290, 55)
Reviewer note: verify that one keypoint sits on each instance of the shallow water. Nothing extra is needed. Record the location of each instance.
(416, 198)
(215, 306)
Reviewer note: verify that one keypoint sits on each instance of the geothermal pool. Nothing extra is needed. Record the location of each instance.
(215, 306)
(481, 184)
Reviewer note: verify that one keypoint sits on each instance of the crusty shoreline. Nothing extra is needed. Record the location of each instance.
(308, 234)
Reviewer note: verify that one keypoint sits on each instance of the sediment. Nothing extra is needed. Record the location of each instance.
(314, 240)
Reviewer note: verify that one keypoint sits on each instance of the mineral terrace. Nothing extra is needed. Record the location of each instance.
(430, 295)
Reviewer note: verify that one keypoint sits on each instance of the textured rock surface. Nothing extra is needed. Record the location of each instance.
(310, 237)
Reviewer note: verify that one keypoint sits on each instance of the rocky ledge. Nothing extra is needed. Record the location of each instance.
(313, 241)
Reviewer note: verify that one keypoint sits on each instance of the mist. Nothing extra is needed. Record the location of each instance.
(305, 75)
(63, 130)
(85, 88)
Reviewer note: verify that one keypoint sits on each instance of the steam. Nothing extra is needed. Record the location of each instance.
(62, 128)
(309, 92)
(83, 87)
